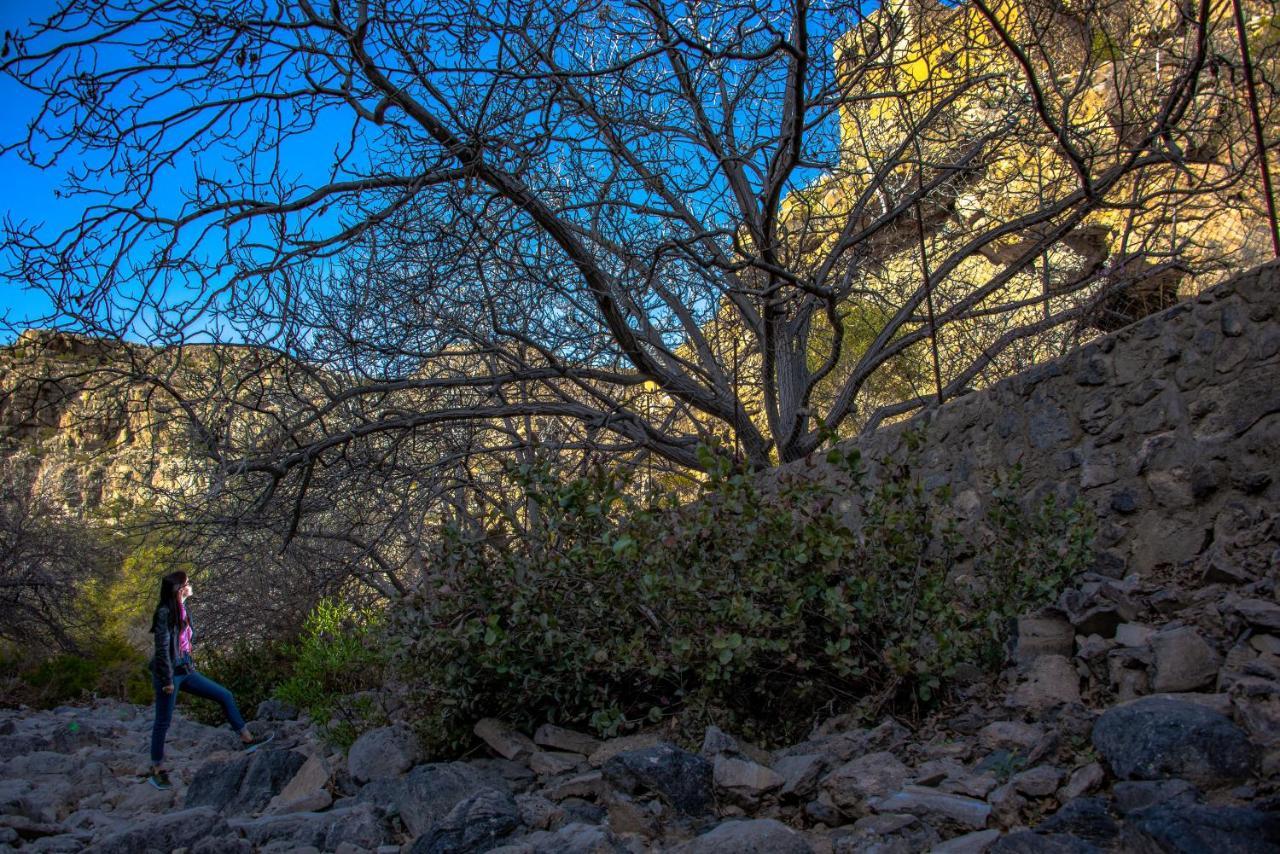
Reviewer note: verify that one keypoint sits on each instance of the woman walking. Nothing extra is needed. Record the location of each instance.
(172, 670)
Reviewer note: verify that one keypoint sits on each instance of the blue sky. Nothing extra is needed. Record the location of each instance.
(26, 193)
(29, 194)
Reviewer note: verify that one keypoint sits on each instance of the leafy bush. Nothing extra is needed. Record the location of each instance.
(112, 668)
(755, 610)
(335, 662)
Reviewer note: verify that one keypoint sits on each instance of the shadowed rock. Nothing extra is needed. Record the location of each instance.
(1157, 738)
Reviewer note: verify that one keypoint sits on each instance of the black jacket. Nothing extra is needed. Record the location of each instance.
(167, 638)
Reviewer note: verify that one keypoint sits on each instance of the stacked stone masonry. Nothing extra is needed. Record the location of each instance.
(1169, 429)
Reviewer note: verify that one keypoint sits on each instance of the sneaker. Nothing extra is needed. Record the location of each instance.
(258, 741)
(160, 779)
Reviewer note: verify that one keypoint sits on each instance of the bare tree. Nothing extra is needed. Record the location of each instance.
(47, 562)
(449, 218)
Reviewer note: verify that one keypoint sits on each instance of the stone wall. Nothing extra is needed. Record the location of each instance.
(1168, 428)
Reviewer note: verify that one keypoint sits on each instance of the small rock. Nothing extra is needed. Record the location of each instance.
(975, 785)
(1258, 613)
(716, 741)
(1038, 782)
(1184, 661)
(757, 836)
(970, 843)
(870, 776)
(1134, 634)
(504, 740)
(1043, 635)
(1100, 620)
(628, 817)
(1006, 806)
(588, 785)
(935, 771)
(1009, 735)
(538, 812)
(1086, 818)
(800, 774)
(743, 781)
(1268, 644)
(574, 838)
(611, 748)
(548, 764)
(559, 738)
(276, 710)
(1050, 680)
(822, 811)
(1155, 737)
(1083, 781)
(1259, 715)
(383, 752)
(517, 775)
(1219, 569)
(885, 833)
(1094, 646)
(681, 778)
(930, 804)
(310, 802)
(305, 786)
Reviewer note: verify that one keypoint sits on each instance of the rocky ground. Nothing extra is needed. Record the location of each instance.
(1135, 716)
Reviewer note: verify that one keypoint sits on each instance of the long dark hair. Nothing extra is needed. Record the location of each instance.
(169, 587)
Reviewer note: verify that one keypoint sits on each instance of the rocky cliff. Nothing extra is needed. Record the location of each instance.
(1169, 429)
(79, 433)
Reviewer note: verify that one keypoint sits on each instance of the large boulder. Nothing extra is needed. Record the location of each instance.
(680, 778)
(427, 794)
(183, 829)
(384, 752)
(245, 783)
(307, 790)
(758, 836)
(575, 838)
(1086, 818)
(1026, 842)
(887, 833)
(473, 825)
(1195, 828)
(360, 825)
(1159, 737)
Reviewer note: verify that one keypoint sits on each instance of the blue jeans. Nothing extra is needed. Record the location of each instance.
(201, 686)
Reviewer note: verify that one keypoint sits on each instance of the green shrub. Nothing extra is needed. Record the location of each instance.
(112, 668)
(759, 612)
(337, 658)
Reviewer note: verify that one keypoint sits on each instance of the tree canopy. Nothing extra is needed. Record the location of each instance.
(646, 223)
